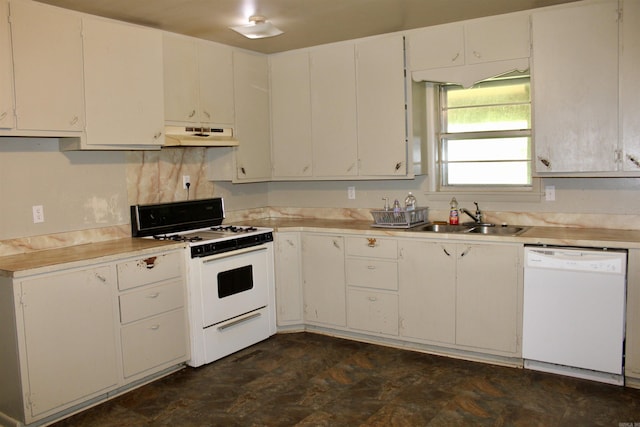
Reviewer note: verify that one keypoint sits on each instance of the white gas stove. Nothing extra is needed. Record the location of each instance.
(230, 277)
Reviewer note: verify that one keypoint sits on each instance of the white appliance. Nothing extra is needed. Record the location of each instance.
(230, 274)
(190, 136)
(574, 312)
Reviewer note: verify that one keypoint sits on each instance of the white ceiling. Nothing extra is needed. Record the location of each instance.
(304, 22)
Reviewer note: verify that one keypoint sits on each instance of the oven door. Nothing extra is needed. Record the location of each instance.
(234, 283)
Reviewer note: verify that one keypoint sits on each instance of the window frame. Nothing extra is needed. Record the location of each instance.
(435, 165)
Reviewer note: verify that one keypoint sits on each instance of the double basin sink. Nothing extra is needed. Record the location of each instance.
(483, 228)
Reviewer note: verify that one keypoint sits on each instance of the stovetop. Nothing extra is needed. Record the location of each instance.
(212, 234)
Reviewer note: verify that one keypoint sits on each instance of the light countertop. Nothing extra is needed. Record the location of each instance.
(79, 255)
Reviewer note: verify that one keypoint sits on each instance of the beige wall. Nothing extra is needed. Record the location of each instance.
(88, 190)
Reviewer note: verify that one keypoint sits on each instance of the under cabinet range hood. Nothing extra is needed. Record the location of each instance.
(179, 136)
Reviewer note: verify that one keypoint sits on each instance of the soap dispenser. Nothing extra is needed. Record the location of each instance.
(410, 202)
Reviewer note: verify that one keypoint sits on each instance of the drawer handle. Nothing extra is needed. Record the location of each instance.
(150, 262)
(101, 278)
(155, 327)
(371, 267)
(372, 242)
(154, 295)
(192, 113)
(373, 299)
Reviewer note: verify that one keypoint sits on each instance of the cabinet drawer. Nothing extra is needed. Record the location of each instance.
(153, 342)
(372, 247)
(151, 300)
(372, 273)
(372, 311)
(151, 269)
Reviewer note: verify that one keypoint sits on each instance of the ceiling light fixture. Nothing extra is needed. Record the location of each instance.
(259, 28)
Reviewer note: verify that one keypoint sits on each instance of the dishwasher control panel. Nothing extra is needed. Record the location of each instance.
(597, 261)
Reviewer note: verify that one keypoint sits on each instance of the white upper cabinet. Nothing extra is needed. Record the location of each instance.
(47, 61)
(630, 84)
(333, 111)
(339, 111)
(436, 47)
(198, 81)
(7, 118)
(470, 51)
(291, 115)
(575, 88)
(123, 85)
(382, 139)
(251, 87)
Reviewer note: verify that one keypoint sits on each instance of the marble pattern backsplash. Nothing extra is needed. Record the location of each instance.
(35, 243)
(156, 177)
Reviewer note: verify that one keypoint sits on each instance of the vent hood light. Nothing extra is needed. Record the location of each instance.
(259, 28)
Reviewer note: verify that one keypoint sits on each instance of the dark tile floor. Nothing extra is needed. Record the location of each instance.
(305, 379)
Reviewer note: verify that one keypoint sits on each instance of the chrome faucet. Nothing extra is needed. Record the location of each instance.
(477, 217)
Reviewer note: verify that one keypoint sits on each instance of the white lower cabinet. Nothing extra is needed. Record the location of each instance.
(73, 335)
(372, 284)
(427, 274)
(462, 297)
(288, 279)
(462, 294)
(323, 279)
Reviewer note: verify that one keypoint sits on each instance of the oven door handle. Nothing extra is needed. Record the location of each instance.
(233, 253)
(239, 320)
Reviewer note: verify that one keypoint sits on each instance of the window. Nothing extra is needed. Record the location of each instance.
(485, 135)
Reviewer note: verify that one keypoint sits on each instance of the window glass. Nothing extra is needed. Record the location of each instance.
(485, 137)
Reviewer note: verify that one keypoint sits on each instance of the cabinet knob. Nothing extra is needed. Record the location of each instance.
(155, 327)
(455, 57)
(154, 295)
(477, 54)
(398, 166)
(101, 278)
(372, 241)
(373, 299)
(157, 135)
(192, 113)
(206, 113)
(3, 115)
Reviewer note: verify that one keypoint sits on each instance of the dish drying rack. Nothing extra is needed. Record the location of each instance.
(399, 218)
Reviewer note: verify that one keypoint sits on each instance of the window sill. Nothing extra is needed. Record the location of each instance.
(487, 196)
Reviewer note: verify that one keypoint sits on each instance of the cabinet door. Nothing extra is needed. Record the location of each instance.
(436, 47)
(47, 60)
(323, 279)
(575, 88)
(288, 279)
(333, 111)
(427, 276)
(123, 84)
(382, 140)
(253, 156)
(180, 60)
(630, 85)
(497, 38)
(7, 119)
(488, 282)
(291, 115)
(70, 335)
(215, 69)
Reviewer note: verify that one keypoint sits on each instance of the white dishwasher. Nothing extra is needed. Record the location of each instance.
(574, 312)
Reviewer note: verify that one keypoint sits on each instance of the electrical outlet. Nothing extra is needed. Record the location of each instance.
(186, 179)
(550, 193)
(38, 214)
(351, 193)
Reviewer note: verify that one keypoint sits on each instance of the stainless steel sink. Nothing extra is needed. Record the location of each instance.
(488, 229)
(443, 228)
(509, 230)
